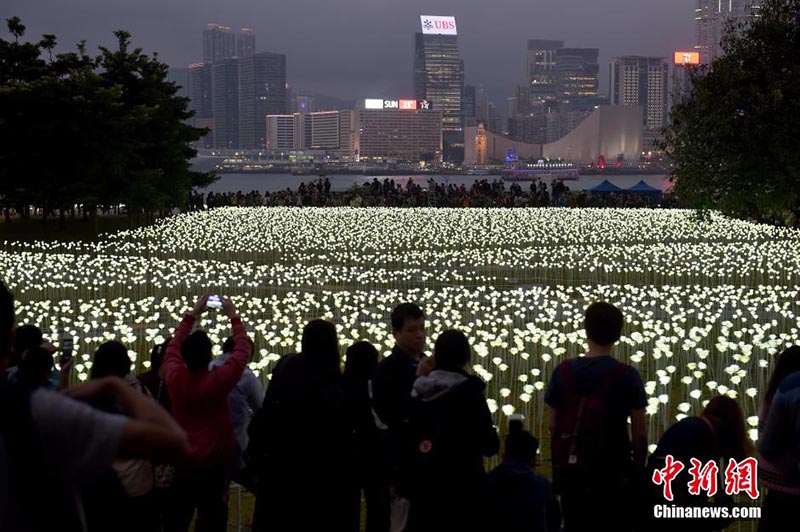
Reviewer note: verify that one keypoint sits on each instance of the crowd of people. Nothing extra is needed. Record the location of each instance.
(408, 434)
(389, 193)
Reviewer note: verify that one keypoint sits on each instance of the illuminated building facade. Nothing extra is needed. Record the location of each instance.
(219, 42)
(262, 92)
(711, 19)
(439, 72)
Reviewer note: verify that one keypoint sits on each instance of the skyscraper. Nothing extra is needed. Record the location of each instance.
(642, 81)
(439, 72)
(218, 43)
(225, 106)
(261, 92)
(576, 72)
(712, 18)
(200, 100)
(542, 78)
(469, 110)
(246, 43)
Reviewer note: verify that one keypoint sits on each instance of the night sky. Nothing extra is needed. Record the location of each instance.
(359, 48)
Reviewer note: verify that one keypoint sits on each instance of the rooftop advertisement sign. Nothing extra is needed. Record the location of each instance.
(435, 25)
(687, 58)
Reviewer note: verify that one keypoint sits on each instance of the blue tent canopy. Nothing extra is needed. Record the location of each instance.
(643, 188)
(606, 186)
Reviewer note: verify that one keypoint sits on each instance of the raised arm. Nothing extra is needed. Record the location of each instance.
(150, 432)
(173, 362)
(227, 375)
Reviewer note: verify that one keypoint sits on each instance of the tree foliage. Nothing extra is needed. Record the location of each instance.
(91, 131)
(735, 140)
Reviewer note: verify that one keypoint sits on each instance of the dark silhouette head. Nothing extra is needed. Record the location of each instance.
(452, 351)
(35, 369)
(25, 337)
(603, 323)
(521, 445)
(320, 344)
(157, 355)
(196, 351)
(728, 420)
(362, 359)
(788, 362)
(111, 360)
(228, 345)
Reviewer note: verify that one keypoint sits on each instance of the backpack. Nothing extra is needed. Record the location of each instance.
(579, 440)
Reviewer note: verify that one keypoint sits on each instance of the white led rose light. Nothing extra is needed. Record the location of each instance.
(708, 305)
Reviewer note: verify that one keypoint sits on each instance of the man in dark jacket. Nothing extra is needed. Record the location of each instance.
(391, 389)
(452, 433)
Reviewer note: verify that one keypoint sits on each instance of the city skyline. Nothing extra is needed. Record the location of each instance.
(351, 51)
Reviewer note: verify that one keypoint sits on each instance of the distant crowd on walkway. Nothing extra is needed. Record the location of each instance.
(403, 438)
(389, 193)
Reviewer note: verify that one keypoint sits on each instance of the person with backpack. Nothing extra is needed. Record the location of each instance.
(521, 499)
(299, 440)
(718, 435)
(453, 432)
(596, 464)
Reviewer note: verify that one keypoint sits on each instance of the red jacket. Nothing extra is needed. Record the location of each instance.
(200, 400)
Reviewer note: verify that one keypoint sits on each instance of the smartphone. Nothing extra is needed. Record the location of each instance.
(67, 346)
(214, 302)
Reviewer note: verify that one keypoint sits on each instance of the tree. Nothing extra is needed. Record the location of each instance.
(734, 139)
(91, 131)
(158, 175)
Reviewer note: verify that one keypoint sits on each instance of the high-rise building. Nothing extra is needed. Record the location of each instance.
(562, 91)
(576, 74)
(246, 43)
(261, 92)
(225, 106)
(469, 109)
(439, 72)
(201, 101)
(219, 42)
(542, 76)
(329, 131)
(642, 81)
(712, 18)
(180, 77)
(325, 130)
(397, 133)
(281, 132)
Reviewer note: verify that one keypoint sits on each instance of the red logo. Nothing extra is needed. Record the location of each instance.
(740, 477)
(703, 479)
(667, 475)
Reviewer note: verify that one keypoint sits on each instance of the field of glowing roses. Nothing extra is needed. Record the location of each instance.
(708, 304)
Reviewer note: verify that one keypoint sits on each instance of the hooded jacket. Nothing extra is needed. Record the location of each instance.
(453, 432)
(452, 423)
